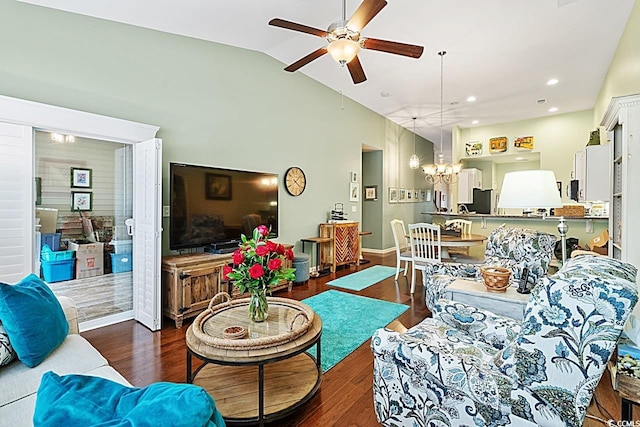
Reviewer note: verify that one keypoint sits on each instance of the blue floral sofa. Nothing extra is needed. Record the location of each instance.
(467, 366)
(514, 248)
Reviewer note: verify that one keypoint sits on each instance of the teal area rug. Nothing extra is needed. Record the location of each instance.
(347, 321)
(363, 278)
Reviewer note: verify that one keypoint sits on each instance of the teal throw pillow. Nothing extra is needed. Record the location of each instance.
(82, 400)
(32, 318)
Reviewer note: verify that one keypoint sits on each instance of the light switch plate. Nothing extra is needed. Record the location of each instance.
(354, 209)
(166, 211)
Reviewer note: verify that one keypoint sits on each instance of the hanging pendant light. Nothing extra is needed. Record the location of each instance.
(414, 161)
(441, 172)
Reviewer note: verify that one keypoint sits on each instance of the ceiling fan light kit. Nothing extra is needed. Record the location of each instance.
(345, 41)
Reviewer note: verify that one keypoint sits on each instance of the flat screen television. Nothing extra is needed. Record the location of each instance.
(215, 206)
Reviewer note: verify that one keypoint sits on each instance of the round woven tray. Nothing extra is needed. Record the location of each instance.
(298, 325)
(496, 279)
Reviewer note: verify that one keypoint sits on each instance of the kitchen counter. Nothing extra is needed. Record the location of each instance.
(516, 217)
(485, 223)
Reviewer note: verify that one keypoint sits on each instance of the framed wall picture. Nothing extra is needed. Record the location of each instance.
(354, 176)
(354, 192)
(81, 201)
(80, 178)
(371, 192)
(217, 186)
(423, 195)
(416, 195)
(402, 195)
(498, 144)
(473, 148)
(523, 143)
(393, 195)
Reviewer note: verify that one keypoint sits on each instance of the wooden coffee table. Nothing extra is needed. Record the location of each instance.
(255, 385)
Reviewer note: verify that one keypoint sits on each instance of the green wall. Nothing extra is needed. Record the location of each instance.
(556, 139)
(372, 175)
(216, 105)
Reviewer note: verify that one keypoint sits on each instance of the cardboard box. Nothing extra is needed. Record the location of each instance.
(599, 243)
(89, 259)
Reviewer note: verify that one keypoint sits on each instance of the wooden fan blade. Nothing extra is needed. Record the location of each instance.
(397, 48)
(356, 71)
(367, 10)
(304, 61)
(277, 22)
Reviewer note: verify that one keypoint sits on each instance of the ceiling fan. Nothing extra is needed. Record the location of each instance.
(345, 40)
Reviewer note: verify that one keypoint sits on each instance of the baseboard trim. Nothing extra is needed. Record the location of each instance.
(378, 251)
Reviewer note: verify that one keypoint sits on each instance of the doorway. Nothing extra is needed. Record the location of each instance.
(84, 195)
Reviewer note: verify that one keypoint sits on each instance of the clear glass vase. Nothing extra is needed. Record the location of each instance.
(258, 307)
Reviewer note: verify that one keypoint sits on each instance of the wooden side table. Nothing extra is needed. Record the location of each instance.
(510, 303)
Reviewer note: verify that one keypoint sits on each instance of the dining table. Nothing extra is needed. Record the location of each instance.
(458, 241)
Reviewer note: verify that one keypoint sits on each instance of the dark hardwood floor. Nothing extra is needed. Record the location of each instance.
(345, 397)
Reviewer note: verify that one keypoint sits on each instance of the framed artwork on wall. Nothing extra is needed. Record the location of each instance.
(498, 144)
(217, 186)
(80, 178)
(393, 195)
(523, 143)
(416, 195)
(473, 148)
(81, 201)
(371, 192)
(402, 195)
(354, 191)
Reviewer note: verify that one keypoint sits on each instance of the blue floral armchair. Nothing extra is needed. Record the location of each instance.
(467, 366)
(512, 248)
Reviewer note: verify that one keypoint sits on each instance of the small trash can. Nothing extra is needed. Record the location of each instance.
(301, 264)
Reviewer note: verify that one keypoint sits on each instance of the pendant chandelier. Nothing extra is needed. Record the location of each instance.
(441, 172)
(414, 161)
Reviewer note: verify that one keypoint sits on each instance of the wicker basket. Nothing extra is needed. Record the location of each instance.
(570, 211)
(496, 279)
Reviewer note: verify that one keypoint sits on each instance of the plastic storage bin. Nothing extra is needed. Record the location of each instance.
(48, 255)
(57, 271)
(50, 239)
(121, 263)
(122, 246)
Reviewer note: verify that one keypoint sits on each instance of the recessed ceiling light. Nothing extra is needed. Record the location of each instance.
(552, 82)
(541, 101)
(475, 122)
(384, 94)
(553, 109)
(471, 98)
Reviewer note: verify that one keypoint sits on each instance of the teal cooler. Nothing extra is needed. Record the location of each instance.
(121, 263)
(57, 271)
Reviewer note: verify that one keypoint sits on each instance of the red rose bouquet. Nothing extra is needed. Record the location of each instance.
(257, 266)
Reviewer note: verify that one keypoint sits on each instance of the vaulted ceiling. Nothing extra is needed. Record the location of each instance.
(502, 52)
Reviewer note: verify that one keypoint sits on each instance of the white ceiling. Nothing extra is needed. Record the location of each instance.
(500, 51)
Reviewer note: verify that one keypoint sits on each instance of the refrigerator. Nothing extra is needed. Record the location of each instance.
(482, 202)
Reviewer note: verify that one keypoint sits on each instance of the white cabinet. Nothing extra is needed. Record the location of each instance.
(468, 179)
(592, 169)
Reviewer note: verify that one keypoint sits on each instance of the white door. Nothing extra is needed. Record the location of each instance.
(147, 232)
(16, 202)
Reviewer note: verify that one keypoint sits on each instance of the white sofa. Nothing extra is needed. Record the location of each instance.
(19, 384)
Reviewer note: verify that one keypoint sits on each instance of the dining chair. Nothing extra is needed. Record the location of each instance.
(424, 240)
(403, 253)
(464, 225)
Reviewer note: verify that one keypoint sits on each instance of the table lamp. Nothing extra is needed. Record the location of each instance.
(530, 190)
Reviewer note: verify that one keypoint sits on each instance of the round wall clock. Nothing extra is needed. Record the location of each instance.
(295, 181)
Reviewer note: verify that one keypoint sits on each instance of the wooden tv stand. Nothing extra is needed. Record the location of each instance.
(190, 281)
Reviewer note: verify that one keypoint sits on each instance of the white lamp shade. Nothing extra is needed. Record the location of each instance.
(343, 50)
(530, 189)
